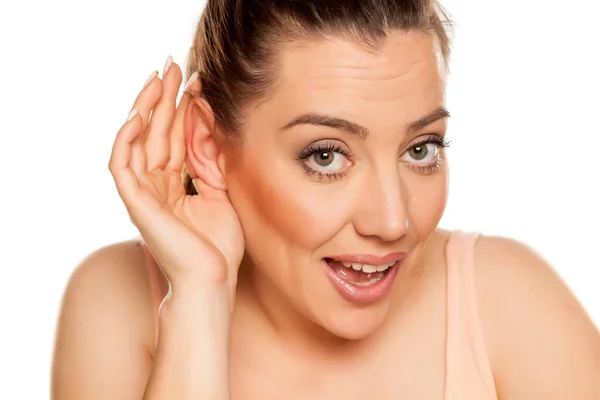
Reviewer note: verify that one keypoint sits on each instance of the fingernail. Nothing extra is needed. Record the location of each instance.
(191, 80)
(150, 78)
(167, 65)
(132, 114)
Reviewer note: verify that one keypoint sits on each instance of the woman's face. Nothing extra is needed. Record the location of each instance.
(342, 162)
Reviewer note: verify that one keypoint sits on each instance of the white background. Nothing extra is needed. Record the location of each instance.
(523, 93)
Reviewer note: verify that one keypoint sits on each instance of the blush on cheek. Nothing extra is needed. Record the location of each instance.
(427, 205)
(293, 214)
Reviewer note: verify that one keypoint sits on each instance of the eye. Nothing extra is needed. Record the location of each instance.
(423, 153)
(426, 156)
(326, 159)
(329, 161)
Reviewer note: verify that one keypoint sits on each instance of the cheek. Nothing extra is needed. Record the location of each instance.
(285, 211)
(427, 202)
(278, 208)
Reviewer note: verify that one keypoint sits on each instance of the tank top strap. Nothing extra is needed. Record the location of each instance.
(468, 371)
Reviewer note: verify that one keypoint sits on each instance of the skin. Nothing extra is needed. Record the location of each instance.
(286, 313)
(363, 212)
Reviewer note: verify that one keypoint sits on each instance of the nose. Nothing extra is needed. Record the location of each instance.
(382, 209)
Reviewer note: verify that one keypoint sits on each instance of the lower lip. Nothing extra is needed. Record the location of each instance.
(362, 295)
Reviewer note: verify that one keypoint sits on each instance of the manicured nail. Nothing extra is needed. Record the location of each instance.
(132, 114)
(167, 65)
(150, 78)
(191, 80)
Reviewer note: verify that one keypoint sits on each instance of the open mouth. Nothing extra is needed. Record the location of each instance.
(359, 274)
(363, 279)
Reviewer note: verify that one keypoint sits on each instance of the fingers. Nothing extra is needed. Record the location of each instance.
(144, 104)
(157, 141)
(128, 159)
(119, 164)
(177, 155)
(148, 97)
(145, 143)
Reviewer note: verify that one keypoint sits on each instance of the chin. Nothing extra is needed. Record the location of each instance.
(352, 323)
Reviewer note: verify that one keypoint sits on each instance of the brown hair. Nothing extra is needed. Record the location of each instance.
(235, 43)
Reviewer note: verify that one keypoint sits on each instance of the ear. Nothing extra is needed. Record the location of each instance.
(204, 159)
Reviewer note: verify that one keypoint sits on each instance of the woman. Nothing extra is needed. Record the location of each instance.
(300, 256)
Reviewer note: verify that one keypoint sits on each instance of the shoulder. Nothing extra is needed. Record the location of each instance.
(116, 273)
(541, 342)
(105, 327)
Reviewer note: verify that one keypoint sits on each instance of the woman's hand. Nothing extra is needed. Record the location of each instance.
(196, 240)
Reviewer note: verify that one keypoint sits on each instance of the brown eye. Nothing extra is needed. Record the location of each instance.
(418, 152)
(324, 158)
(422, 153)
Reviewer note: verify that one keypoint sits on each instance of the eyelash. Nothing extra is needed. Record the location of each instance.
(441, 143)
(326, 147)
(303, 155)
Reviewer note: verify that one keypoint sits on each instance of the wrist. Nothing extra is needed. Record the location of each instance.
(192, 354)
(197, 303)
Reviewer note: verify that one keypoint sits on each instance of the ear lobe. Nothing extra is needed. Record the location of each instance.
(202, 150)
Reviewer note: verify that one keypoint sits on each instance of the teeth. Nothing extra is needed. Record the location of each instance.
(366, 268)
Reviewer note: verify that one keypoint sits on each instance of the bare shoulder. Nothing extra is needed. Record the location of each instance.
(105, 327)
(541, 342)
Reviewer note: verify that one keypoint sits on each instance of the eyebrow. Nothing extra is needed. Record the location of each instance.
(313, 118)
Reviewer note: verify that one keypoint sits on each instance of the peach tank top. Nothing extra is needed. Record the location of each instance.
(468, 372)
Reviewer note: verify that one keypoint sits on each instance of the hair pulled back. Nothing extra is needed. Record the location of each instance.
(236, 42)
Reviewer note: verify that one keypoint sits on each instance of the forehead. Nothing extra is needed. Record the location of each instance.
(339, 59)
(399, 81)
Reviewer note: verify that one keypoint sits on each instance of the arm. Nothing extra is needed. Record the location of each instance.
(197, 238)
(192, 357)
(542, 344)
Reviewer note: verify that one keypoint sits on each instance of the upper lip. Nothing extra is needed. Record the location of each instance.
(370, 259)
